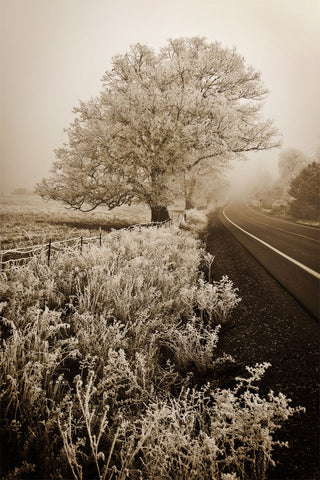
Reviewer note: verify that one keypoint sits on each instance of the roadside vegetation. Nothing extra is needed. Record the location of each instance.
(109, 366)
(304, 190)
(295, 192)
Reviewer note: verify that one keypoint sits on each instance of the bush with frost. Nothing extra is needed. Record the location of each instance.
(133, 272)
(198, 434)
(141, 273)
(195, 220)
(205, 434)
(192, 347)
(216, 300)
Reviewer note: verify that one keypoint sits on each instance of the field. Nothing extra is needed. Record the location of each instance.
(28, 220)
(110, 366)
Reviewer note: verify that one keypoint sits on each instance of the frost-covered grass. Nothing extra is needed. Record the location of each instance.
(28, 220)
(100, 357)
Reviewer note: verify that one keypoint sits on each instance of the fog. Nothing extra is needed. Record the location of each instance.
(54, 53)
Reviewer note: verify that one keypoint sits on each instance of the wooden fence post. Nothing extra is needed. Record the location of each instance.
(49, 251)
(0, 256)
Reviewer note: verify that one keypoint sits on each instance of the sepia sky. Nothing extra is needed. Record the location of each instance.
(54, 53)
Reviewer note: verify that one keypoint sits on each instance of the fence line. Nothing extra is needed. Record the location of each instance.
(32, 250)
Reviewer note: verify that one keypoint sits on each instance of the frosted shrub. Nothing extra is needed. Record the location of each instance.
(195, 221)
(216, 301)
(32, 367)
(133, 272)
(31, 356)
(93, 429)
(105, 406)
(97, 334)
(193, 347)
(132, 431)
(221, 434)
(208, 260)
(31, 285)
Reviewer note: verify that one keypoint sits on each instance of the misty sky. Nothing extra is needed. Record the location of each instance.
(54, 53)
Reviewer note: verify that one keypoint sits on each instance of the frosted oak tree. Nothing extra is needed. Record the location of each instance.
(159, 117)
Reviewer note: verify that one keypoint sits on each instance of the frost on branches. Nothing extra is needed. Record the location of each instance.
(159, 118)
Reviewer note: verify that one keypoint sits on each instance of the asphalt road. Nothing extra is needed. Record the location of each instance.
(289, 251)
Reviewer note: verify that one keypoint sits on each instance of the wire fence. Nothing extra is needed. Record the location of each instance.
(18, 256)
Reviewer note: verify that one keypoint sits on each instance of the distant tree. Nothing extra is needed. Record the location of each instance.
(262, 187)
(317, 155)
(275, 192)
(159, 118)
(304, 189)
(291, 161)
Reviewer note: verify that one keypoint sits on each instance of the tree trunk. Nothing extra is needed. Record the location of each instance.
(159, 214)
(189, 203)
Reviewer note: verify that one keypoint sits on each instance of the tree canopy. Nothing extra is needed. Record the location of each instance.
(304, 189)
(159, 117)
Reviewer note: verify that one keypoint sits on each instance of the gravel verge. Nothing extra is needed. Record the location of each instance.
(269, 325)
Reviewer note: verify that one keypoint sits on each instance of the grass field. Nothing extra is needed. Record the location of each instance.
(28, 220)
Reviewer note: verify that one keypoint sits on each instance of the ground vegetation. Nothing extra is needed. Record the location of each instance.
(110, 367)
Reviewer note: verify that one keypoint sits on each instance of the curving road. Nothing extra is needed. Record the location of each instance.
(289, 251)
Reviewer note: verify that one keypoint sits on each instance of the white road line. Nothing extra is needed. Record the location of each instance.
(301, 265)
(284, 221)
(278, 228)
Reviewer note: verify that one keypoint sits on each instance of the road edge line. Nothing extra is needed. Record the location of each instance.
(281, 220)
(292, 260)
